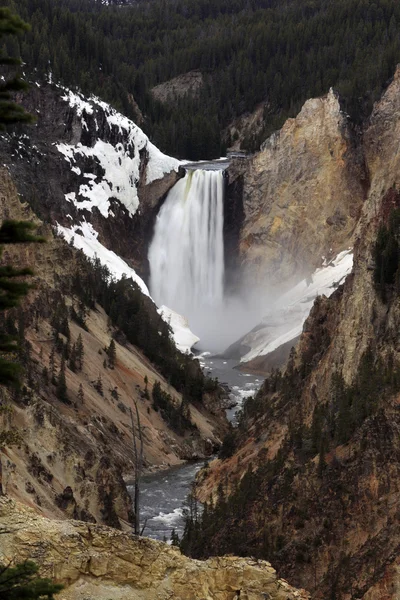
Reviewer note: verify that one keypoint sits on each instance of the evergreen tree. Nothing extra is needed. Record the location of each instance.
(249, 52)
(146, 390)
(98, 385)
(61, 390)
(81, 395)
(10, 112)
(174, 538)
(45, 375)
(73, 359)
(80, 352)
(112, 354)
(321, 457)
(52, 365)
(12, 289)
(21, 581)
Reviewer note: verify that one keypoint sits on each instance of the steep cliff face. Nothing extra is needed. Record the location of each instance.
(302, 194)
(75, 452)
(83, 162)
(318, 449)
(97, 562)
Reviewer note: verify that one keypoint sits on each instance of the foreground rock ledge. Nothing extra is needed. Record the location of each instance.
(97, 562)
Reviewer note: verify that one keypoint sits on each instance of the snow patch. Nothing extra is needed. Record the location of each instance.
(71, 197)
(78, 102)
(183, 337)
(284, 320)
(121, 163)
(85, 238)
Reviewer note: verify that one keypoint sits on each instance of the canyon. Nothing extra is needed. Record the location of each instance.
(312, 200)
(315, 460)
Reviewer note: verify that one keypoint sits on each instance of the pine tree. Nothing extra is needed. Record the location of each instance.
(52, 365)
(45, 375)
(10, 112)
(8, 437)
(175, 538)
(81, 394)
(112, 354)
(72, 359)
(146, 391)
(61, 390)
(80, 352)
(321, 457)
(98, 386)
(22, 581)
(12, 290)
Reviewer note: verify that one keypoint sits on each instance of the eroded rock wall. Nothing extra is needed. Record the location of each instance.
(98, 562)
(327, 517)
(302, 194)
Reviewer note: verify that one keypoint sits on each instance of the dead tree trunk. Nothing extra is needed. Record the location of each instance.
(138, 465)
(1, 474)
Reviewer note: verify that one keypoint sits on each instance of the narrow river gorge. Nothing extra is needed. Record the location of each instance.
(187, 275)
(163, 494)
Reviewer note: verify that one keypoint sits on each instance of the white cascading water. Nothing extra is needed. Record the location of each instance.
(187, 251)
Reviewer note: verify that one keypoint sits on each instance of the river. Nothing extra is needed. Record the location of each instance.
(163, 493)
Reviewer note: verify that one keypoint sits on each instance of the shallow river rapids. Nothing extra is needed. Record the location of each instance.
(163, 494)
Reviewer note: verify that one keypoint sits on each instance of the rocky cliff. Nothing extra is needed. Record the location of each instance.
(313, 481)
(75, 451)
(302, 194)
(97, 562)
(83, 162)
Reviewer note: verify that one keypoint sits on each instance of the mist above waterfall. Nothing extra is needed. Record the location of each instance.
(187, 261)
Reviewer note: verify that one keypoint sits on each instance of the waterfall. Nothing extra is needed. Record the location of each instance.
(187, 251)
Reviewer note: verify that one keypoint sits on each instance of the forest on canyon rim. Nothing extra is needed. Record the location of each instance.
(249, 52)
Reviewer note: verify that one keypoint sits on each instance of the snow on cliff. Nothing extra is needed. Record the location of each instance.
(284, 320)
(119, 164)
(84, 237)
(183, 337)
(109, 171)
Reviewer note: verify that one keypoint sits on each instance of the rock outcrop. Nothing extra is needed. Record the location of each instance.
(302, 194)
(187, 84)
(97, 562)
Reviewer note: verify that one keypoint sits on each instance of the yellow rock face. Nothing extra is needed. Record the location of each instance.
(302, 194)
(96, 562)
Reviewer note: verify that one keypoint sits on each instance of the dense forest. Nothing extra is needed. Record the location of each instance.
(249, 52)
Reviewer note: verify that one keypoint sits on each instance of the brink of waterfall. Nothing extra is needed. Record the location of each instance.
(187, 251)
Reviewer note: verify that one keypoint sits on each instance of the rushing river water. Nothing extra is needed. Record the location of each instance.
(163, 494)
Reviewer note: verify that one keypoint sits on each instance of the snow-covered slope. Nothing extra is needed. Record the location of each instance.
(284, 320)
(115, 167)
(107, 169)
(84, 237)
(184, 338)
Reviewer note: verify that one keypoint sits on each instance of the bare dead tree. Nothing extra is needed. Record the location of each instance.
(138, 465)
